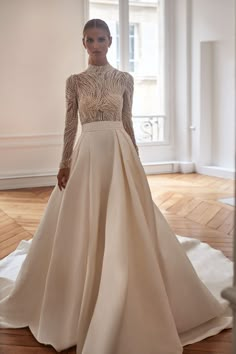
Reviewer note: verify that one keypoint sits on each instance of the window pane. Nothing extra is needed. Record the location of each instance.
(147, 53)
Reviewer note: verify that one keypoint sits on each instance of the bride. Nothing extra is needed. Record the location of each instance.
(104, 271)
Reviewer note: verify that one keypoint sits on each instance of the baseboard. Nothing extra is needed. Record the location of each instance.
(27, 181)
(31, 179)
(169, 167)
(216, 171)
(187, 167)
(160, 167)
(48, 178)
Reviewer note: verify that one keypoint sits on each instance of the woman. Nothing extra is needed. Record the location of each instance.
(104, 271)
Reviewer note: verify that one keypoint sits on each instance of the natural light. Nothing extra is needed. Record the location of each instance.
(144, 61)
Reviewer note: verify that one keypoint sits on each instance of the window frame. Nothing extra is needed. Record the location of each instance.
(167, 25)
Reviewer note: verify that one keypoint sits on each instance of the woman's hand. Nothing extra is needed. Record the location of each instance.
(62, 177)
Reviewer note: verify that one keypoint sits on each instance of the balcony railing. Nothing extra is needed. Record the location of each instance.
(150, 128)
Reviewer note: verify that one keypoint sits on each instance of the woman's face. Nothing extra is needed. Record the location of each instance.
(97, 42)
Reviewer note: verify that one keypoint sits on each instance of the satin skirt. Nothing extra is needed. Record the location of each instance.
(104, 271)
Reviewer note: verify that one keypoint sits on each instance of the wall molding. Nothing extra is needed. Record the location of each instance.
(34, 140)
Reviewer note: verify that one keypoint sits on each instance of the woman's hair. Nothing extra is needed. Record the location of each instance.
(96, 23)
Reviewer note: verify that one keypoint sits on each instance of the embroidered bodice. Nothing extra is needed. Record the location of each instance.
(98, 93)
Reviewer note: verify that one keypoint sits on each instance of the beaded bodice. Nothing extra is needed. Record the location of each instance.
(98, 93)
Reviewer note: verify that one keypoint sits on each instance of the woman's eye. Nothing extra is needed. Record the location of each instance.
(101, 39)
(89, 40)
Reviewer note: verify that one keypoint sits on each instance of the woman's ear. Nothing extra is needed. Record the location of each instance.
(110, 41)
(83, 41)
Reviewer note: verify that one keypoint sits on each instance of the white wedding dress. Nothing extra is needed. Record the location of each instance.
(104, 271)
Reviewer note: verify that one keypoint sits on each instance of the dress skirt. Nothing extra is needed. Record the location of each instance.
(104, 271)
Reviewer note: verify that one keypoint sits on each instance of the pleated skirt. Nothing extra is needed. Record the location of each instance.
(104, 271)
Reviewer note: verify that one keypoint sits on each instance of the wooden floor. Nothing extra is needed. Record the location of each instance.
(190, 204)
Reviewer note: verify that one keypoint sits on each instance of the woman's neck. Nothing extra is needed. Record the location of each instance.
(98, 62)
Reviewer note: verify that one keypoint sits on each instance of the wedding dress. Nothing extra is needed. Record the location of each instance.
(104, 271)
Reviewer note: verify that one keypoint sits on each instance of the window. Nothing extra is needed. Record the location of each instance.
(133, 45)
(142, 33)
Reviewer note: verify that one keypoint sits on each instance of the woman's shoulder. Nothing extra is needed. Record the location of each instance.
(73, 77)
(125, 74)
(76, 78)
(71, 80)
(127, 78)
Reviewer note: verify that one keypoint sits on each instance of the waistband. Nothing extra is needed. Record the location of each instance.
(101, 125)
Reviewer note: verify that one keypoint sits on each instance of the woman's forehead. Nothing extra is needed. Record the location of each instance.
(95, 32)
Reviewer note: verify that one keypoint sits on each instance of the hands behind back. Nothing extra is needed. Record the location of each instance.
(62, 177)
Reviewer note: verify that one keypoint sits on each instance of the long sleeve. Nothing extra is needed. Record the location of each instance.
(71, 121)
(127, 110)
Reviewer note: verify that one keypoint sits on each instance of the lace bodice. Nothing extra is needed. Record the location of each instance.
(98, 93)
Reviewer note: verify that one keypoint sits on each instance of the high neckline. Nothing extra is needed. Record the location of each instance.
(99, 68)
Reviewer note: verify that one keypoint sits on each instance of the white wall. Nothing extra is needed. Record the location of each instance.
(205, 97)
(213, 21)
(41, 46)
(182, 60)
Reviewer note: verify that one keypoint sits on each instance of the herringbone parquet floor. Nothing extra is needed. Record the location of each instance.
(190, 204)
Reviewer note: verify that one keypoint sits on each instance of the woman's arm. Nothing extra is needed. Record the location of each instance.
(71, 121)
(71, 124)
(127, 109)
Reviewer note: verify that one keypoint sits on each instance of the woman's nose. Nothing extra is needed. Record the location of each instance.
(95, 44)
